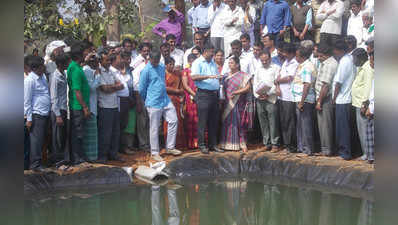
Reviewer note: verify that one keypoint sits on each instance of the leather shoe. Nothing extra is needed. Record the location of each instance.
(204, 150)
(215, 149)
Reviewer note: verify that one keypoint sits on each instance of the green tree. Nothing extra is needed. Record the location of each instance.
(43, 22)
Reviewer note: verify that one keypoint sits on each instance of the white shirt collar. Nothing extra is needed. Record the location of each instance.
(34, 75)
(113, 69)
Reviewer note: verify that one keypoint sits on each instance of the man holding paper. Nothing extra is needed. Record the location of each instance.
(264, 91)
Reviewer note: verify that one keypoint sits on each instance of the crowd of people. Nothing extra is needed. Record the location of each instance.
(299, 68)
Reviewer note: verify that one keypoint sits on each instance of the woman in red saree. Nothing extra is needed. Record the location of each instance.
(176, 95)
(235, 116)
(191, 113)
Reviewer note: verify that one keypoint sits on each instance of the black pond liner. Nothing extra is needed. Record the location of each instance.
(260, 166)
(254, 165)
(49, 181)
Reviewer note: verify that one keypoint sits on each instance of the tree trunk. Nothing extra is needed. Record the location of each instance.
(113, 28)
(150, 12)
(180, 6)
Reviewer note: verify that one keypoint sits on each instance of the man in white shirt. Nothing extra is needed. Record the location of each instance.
(331, 14)
(142, 114)
(247, 50)
(258, 47)
(175, 53)
(164, 51)
(126, 102)
(216, 24)
(269, 42)
(264, 91)
(190, 13)
(144, 50)
(245, 61)
(37, 106)
(314, 56)
(108, 113)
(287, 106)
(130, 46)
(342, 84)
(233, 17)
(198, 41)
(355, 24)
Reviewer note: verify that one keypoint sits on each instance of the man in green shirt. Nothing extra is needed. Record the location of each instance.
(79, 99)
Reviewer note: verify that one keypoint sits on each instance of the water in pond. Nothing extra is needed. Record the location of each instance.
(225, 202)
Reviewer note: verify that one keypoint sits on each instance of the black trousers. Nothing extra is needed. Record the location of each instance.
(38, 132)
(329, 39)
(26, 146)
(77, 129)
(208, 115)
(308, 36)
(287, 117)
(204, 30)
(126, 140)
(124, 112)
(108, 133)
(59, 137)
(343, 130)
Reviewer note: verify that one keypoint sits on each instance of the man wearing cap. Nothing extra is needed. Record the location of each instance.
(171, 25)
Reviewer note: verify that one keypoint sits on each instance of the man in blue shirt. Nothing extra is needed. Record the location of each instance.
(37, 105)
(206, 75)
(152, 88)
(342, 87)
(276, 16)
(200, 22)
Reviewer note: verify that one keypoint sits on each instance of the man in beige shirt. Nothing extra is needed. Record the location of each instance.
(324, 106)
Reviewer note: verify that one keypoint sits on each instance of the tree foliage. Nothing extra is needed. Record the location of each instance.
(43, 21)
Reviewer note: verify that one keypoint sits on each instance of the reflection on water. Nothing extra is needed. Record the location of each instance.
(218, 203)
